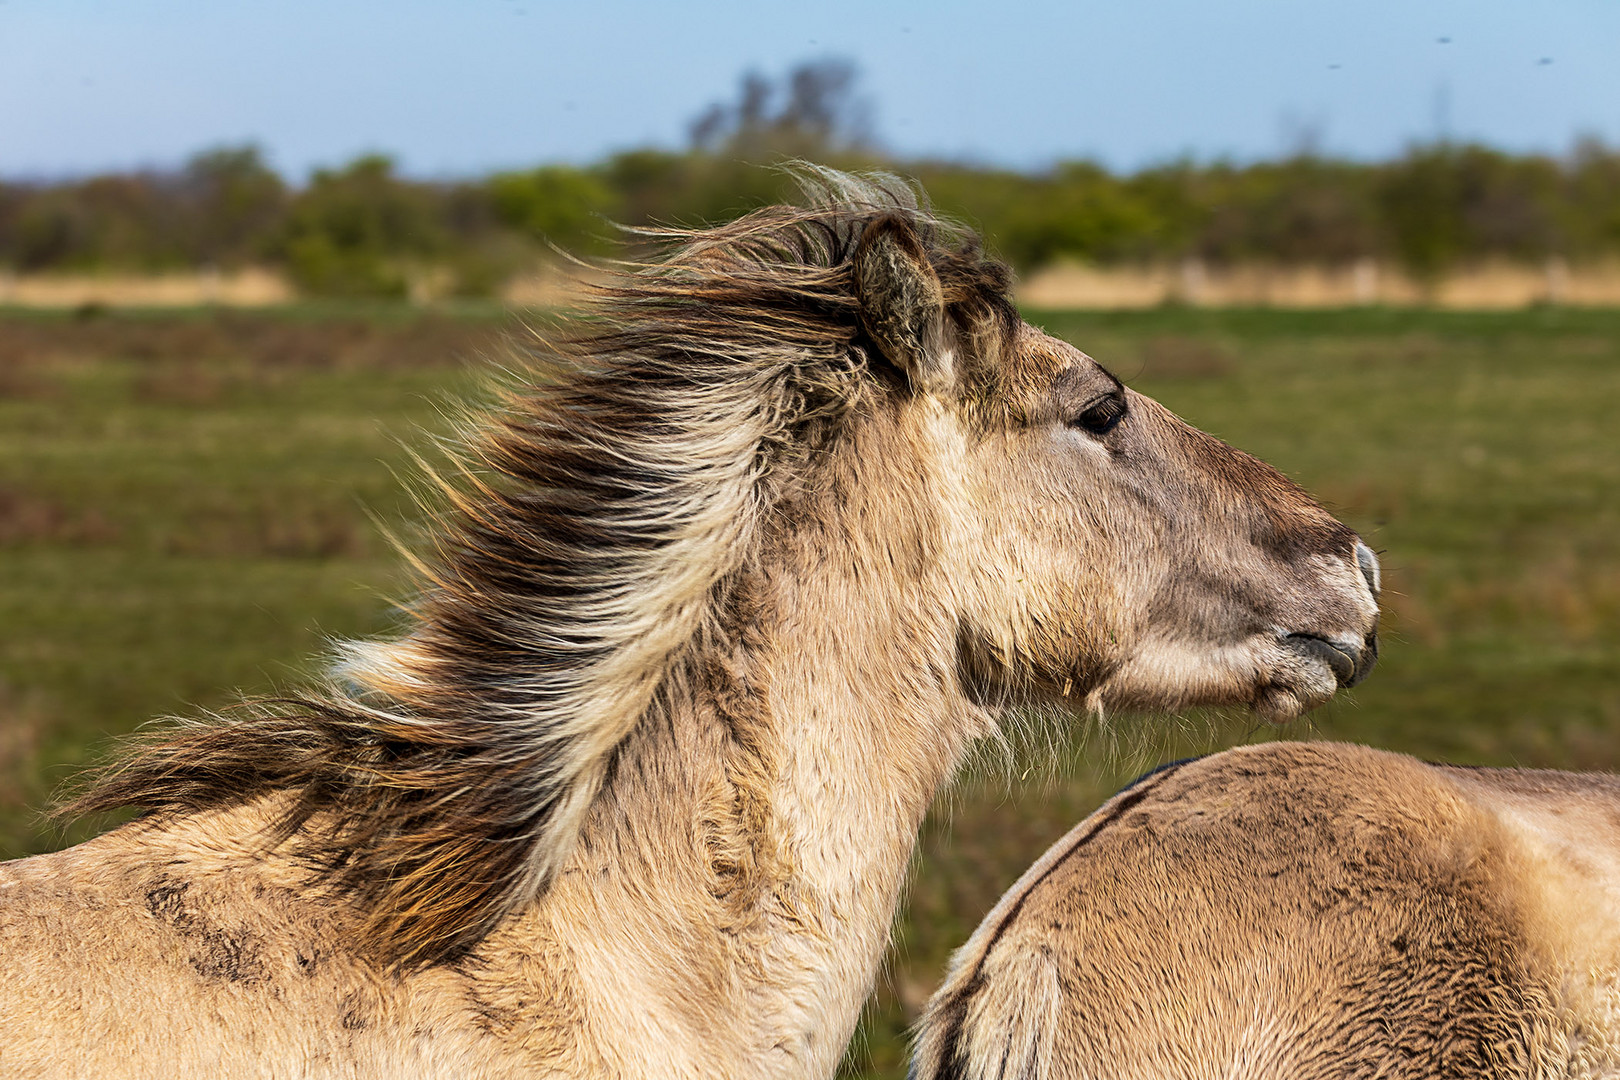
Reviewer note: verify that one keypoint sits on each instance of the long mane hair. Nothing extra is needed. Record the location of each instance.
(581, 554)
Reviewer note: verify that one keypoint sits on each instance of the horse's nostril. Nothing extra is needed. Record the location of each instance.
(1368, 562)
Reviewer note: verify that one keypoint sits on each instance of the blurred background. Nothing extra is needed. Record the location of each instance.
(249, 253)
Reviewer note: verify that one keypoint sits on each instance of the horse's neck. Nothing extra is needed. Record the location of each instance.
(736, 885)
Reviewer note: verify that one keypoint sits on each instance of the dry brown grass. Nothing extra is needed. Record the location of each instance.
(253, 287)
(1491, 285)
(1485, 287)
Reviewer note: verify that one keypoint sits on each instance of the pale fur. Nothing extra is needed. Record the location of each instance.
(643, 807)
(1304, 912)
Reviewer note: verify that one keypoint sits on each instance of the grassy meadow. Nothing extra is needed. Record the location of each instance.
(190, 504)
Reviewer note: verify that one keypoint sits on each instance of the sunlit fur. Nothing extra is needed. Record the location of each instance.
(1304, 912)
(590, 543)
(719, 598)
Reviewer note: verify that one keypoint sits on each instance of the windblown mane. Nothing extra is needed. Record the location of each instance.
(582, 555)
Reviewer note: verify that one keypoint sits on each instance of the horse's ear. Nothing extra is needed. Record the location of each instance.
(902, 304)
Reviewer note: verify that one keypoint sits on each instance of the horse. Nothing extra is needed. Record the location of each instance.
(723, 590)
(1304, 911)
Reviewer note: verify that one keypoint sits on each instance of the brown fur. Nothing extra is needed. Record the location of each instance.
(722, 597)
(1303, 911)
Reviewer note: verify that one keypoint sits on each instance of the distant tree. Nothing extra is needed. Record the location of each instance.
(1510, 203)
(116, 219)
(813, 111)
(356, 231)
(235, 201)
(1446, 202)
(1590, 208)
(660, 187)
(1422, 208)
(362, 230)
(647, 182)
(1180, 196)
(43, 230)
(1080, 211)
(554, 204)
(1302, 209)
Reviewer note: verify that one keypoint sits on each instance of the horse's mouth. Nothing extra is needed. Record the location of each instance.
(1316, 668)
(1350, 661)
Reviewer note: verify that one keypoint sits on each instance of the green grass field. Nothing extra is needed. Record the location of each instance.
(187, 508)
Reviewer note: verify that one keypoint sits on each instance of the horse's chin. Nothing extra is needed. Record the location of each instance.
(1283, 704)
(1279, 677)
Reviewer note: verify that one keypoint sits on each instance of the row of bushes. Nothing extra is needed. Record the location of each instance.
(365, 230)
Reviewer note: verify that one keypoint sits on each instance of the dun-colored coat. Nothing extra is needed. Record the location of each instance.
(1304, 911)
(722, 596)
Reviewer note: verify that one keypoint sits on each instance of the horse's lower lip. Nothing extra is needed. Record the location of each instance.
(1346, 661)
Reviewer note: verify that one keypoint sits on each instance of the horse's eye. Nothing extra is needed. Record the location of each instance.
(1101, 416)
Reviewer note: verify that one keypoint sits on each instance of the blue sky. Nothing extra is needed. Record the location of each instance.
(461, 88)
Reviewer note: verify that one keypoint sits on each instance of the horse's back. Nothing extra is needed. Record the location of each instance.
(118, 961)
(185, 952)
(1299, 911)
